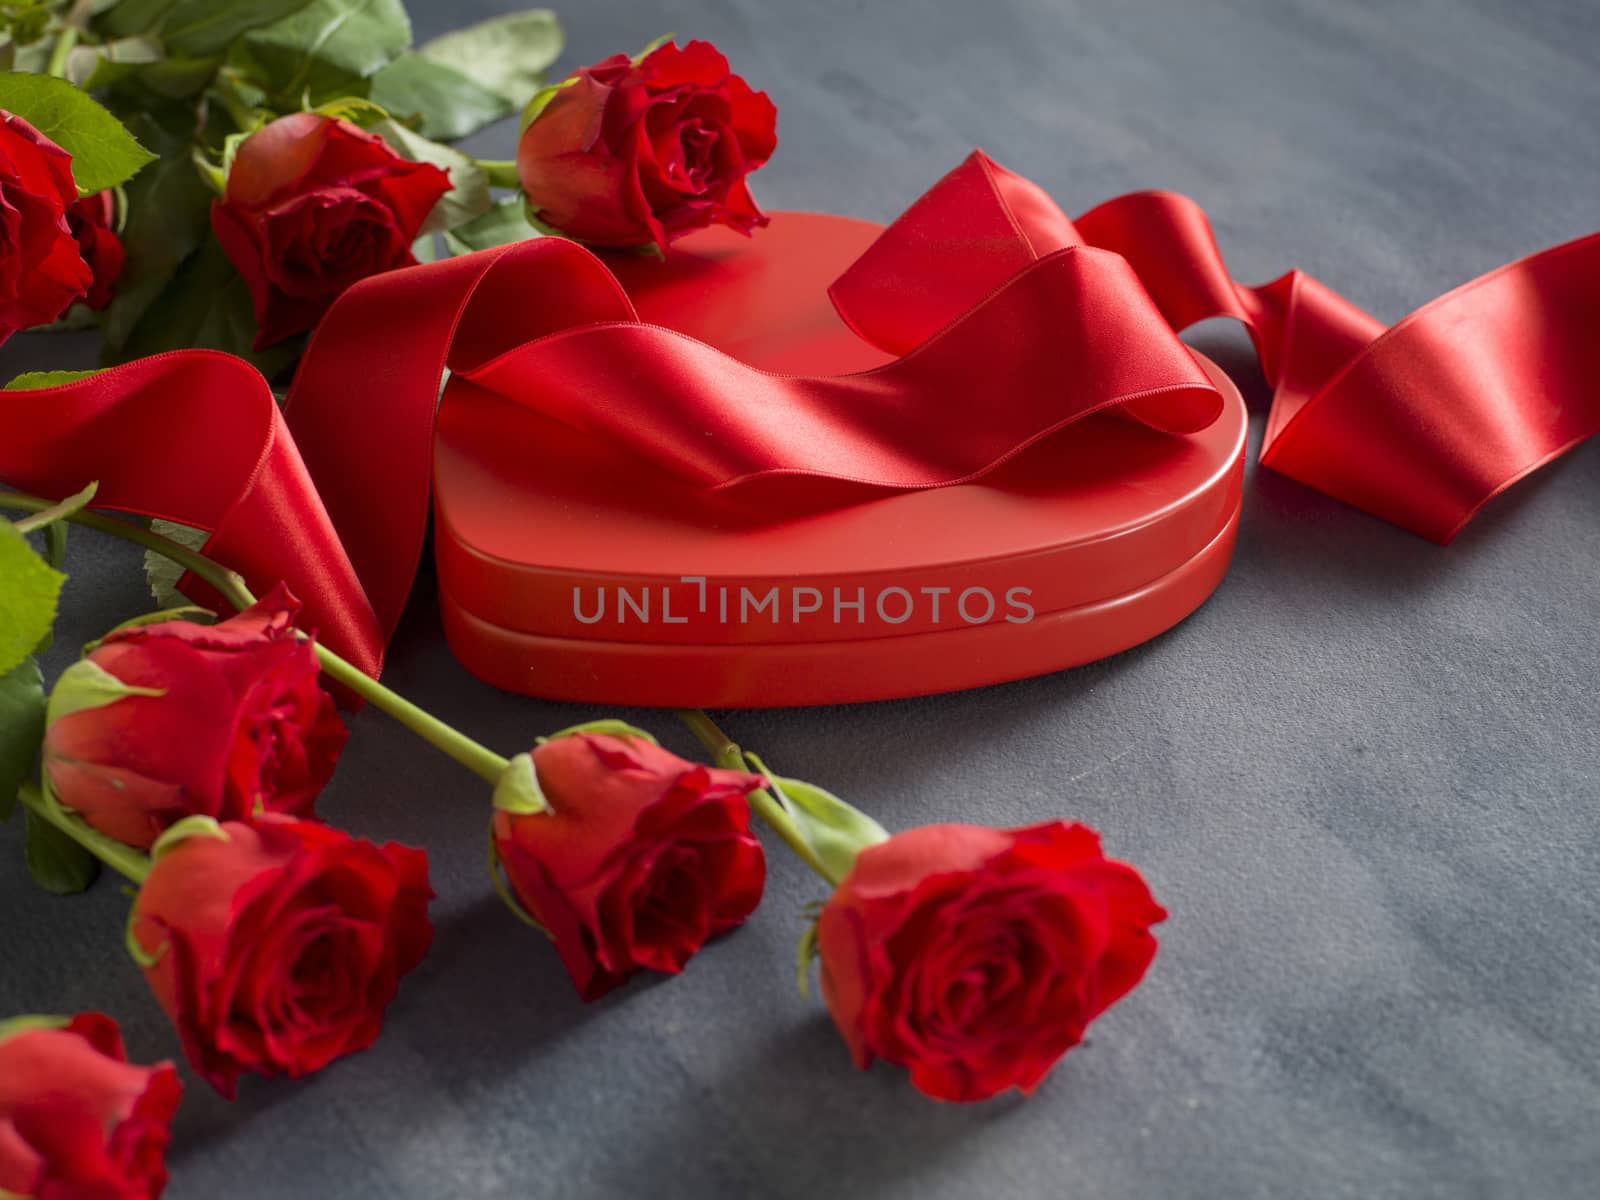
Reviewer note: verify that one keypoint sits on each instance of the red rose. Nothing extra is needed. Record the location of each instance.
(90, 221)
(166, 721)
(636, 859)
(276, 947)
(77, 1120)
(977, 956)
(629, 154)
(41, 271)
(313, 205)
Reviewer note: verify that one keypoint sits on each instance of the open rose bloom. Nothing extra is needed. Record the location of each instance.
(92, 221)
(77, 1120)
(171, 720)
(632, 858)
(42, 270)
(313, 205)
(629, 153)
(977, 957)
(276, 947)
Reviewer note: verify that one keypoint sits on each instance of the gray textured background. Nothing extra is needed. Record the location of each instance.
(1362, 777)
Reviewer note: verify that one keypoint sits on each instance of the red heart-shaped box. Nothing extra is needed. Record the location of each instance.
(571, 570)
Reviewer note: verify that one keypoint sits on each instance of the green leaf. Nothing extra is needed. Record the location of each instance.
(133, 17)
(834, 830)
(468, 197)
(56, 862)
(207, 304)
(193, 28)
(53, 521)
(33, 58)
(21, 730)
(328, 49)
(104, 153)
(161, 574)
(134, 86)
(29, 589)
(507, 55)
(506, 222)
(121, 54)
(33, 380)
(168, 221)
(28, 20)
(437, 99)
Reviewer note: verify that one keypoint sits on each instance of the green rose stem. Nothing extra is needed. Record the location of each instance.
(225, 88)
(65, 41)
(470, 754)
(727, 754)
(73, 24)
(125, 860)
(500, 172)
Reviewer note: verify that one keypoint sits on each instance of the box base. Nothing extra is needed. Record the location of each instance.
(783, 675)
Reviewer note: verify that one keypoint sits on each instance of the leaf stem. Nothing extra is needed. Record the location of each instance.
(474, 756)
(502, 173)
(726, 753)
(119, 857)
(65, 41)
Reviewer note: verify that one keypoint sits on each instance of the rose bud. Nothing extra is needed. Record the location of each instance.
(627, 153)
(77, 1120)
(41, 270)
(976, 957)
(91, 220)
(312, 205)
(628, 856)
(175, 719)
(275, 947)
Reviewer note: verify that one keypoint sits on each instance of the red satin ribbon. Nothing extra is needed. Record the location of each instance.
(1010, 323)
(1420, 424)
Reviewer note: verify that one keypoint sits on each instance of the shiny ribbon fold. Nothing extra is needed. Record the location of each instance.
(1007, 322)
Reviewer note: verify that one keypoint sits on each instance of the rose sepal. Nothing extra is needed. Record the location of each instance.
(28, 1023)
(518, 790)
(85, 685)
(652, 46)
(611, 725)
(540, 102)
(836, 832)
(192, 613)
(198, 825)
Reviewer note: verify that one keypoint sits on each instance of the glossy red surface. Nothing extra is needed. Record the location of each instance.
(1117, 531)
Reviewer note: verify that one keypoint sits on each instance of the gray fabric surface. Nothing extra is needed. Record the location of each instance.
(1363, 776)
